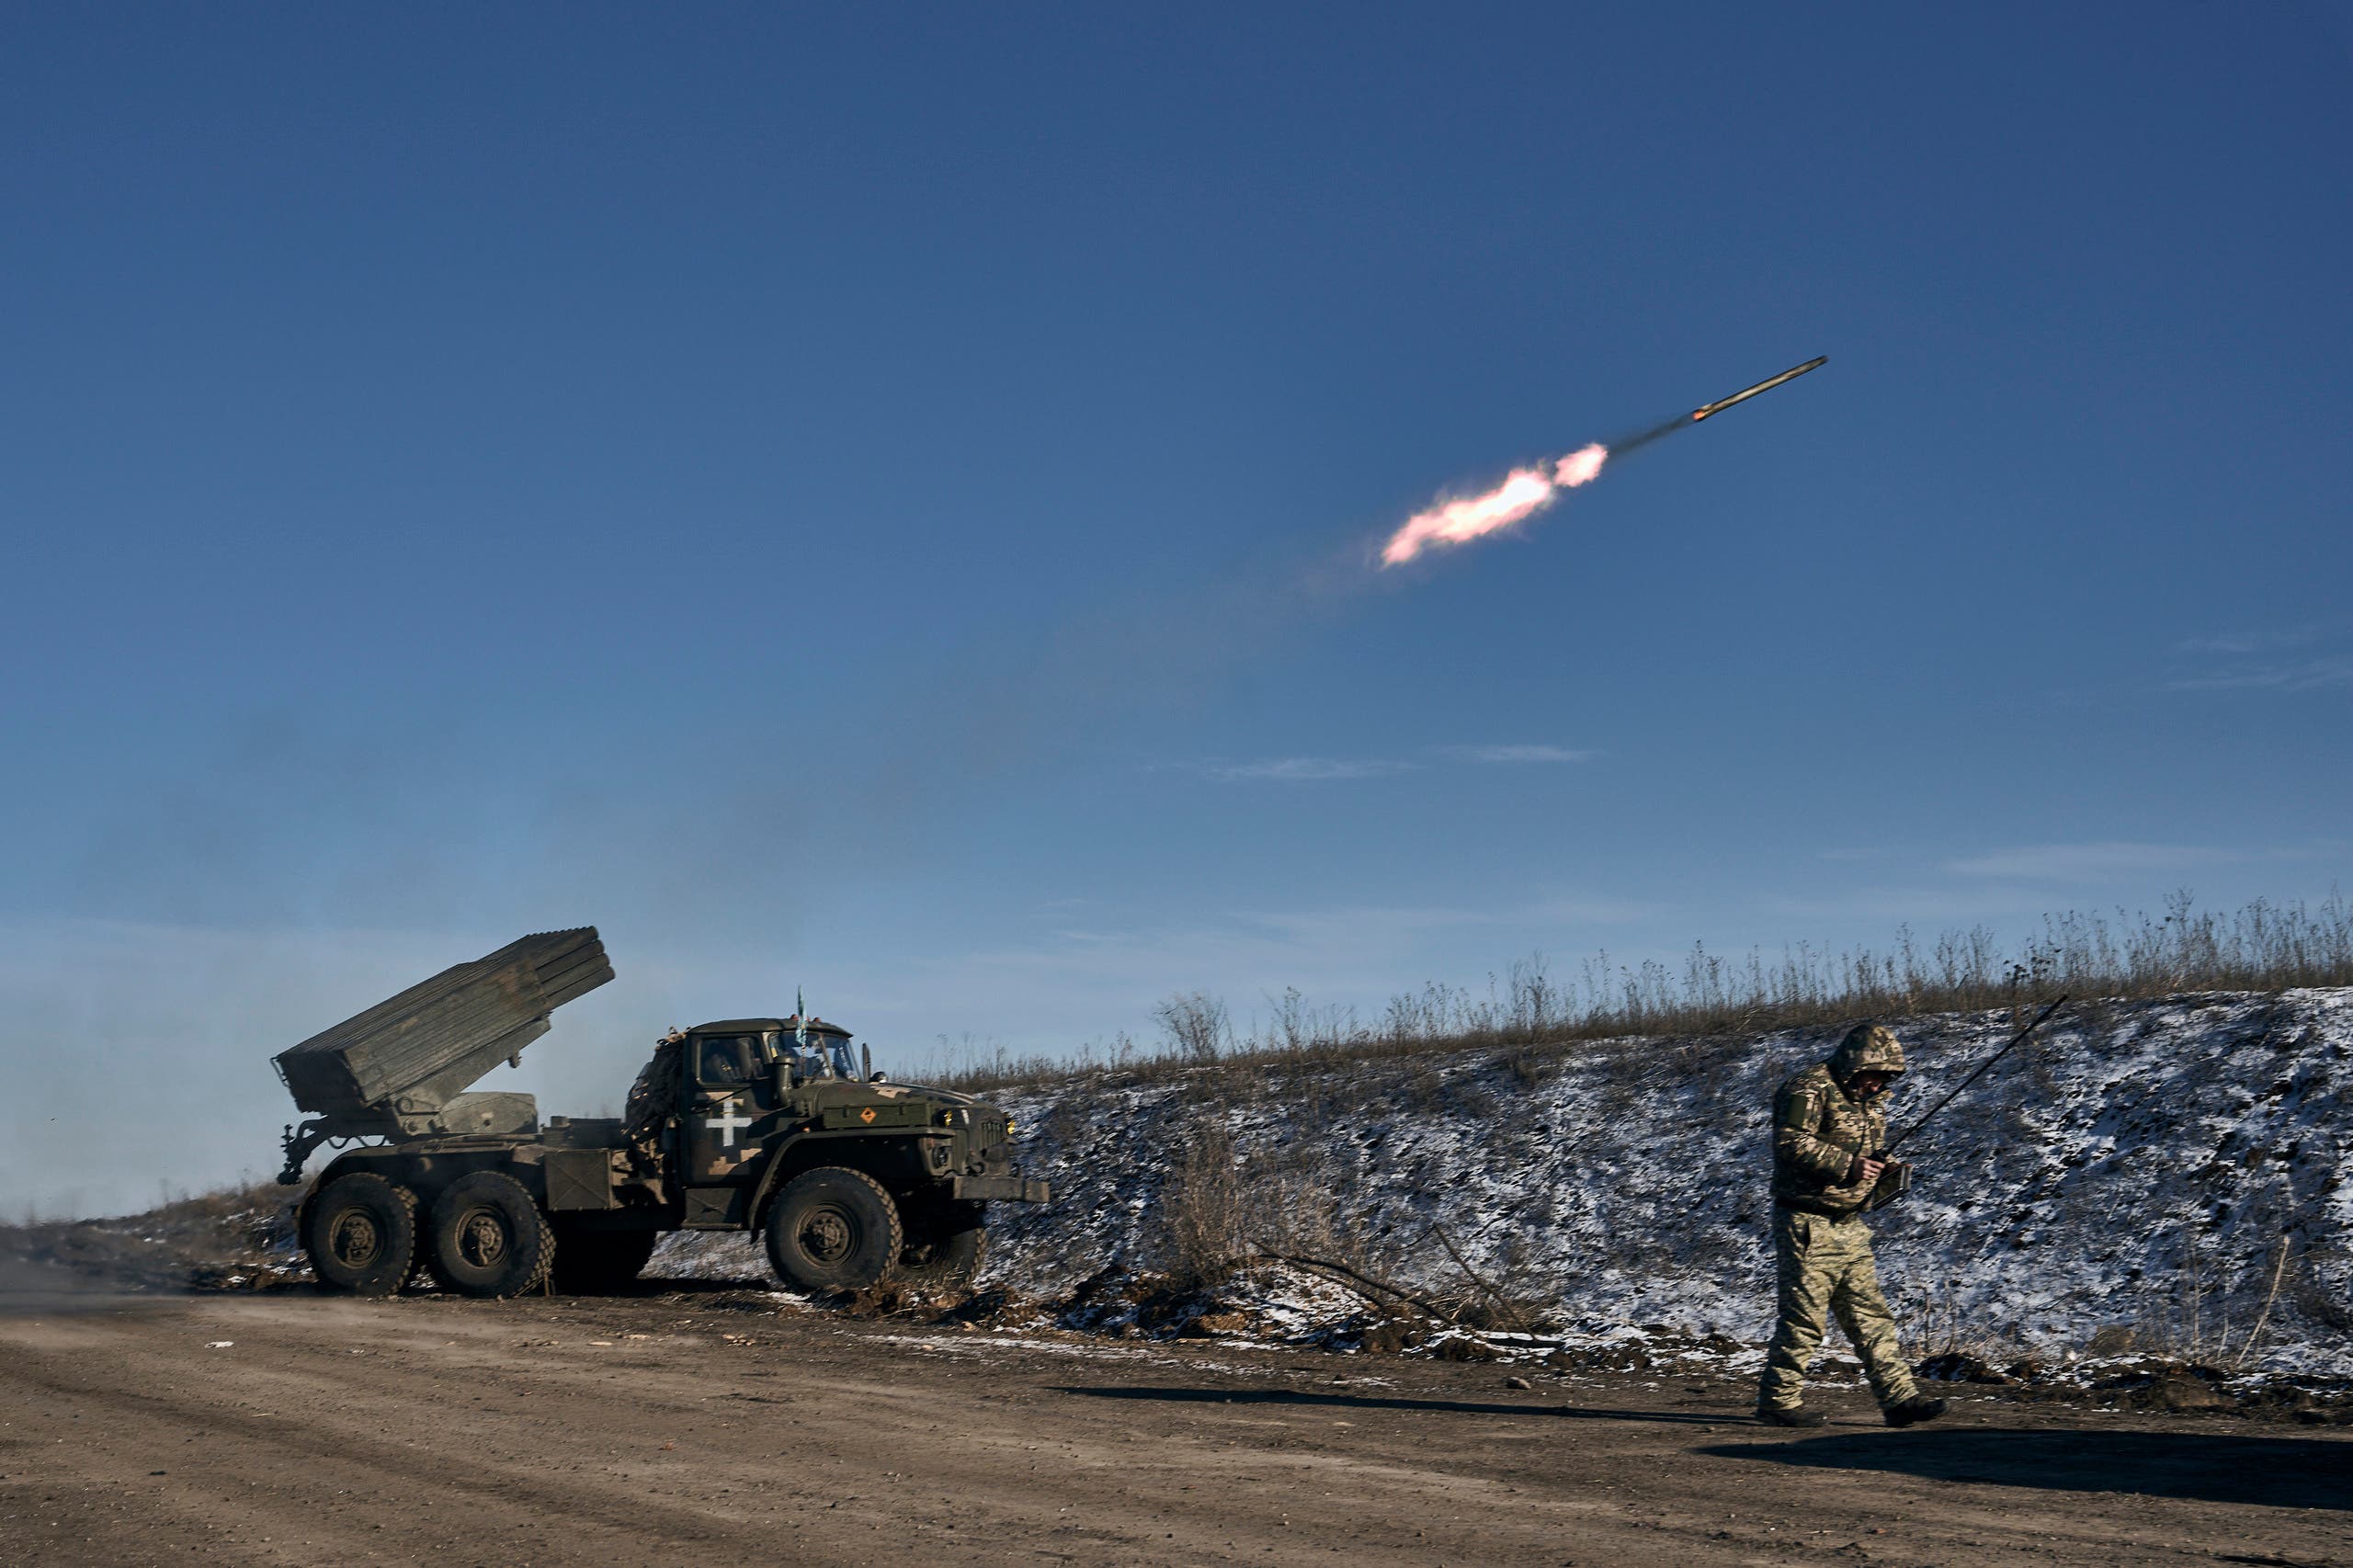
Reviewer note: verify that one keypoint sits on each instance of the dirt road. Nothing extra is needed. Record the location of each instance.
(705, 1429)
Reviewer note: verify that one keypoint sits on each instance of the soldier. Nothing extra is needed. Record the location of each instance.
(1826, 1122)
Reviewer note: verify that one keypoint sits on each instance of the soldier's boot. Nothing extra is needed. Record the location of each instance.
(1912, 1412)
(1794, 1416)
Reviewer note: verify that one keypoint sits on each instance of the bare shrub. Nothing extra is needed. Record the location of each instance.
(2202, 1320)
(1197, 1025)
(1223, 1205)
(1296, 1210)
(1939, 1326)
(1535, 1008)
(1203, 1206)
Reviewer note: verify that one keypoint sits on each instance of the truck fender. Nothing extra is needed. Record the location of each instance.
(772, 1173)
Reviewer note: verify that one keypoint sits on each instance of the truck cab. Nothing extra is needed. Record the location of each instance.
(759, 1101)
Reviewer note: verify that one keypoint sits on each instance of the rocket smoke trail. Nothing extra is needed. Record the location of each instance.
(1528, 490)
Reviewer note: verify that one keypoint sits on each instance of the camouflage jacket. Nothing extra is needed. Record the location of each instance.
(1818, 1129)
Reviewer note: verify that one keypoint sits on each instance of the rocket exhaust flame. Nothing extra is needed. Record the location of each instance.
(1524, 493)
(1528, 490)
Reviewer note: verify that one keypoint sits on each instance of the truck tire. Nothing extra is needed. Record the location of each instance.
(833, 1229)
(361, 1232)
(945, 1248)
(489, 1238)
(595, 1263)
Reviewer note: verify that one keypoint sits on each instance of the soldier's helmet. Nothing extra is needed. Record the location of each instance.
(1867, 1048)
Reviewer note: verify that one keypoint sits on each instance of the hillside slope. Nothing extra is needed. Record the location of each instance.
(2133, 1168)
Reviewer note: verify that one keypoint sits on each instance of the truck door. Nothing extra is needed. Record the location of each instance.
(730, 1097)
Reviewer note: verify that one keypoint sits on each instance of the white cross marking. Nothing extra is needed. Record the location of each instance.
(727, 1122)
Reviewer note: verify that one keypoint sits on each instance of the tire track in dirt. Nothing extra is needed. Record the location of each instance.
(657, 1431)
(247, 1405)
(347, 1463)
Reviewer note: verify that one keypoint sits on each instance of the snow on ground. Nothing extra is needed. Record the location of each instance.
(2130, 1170)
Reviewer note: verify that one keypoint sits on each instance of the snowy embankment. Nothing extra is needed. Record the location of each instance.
(2134, 1169)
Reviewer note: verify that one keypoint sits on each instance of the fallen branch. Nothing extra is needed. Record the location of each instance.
(1503, 1308)
(1364, 1285)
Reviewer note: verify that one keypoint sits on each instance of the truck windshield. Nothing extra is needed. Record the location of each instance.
(824, 1056)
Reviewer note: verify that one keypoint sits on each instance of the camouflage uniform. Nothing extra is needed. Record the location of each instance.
(1820, 1243)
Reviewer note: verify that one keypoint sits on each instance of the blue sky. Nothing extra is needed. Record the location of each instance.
(878, 502)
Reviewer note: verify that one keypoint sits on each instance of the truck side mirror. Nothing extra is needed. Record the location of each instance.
(865, 1063)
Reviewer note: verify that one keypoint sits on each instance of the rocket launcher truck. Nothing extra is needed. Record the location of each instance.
(768, 1125)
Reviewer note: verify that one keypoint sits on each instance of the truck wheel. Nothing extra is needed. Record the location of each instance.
(489, 1238)
(594, 1263)
(361, 1232)
(833, 1229)
(945, 1249)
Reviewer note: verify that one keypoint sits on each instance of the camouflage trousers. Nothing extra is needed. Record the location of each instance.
(1826, 1269)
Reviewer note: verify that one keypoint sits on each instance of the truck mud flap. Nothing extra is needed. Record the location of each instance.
(1001, 1189)
(718, 1208)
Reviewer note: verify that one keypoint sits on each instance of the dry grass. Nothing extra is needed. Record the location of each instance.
(2203, 1322)
(2212, 1310)
(2262, 946)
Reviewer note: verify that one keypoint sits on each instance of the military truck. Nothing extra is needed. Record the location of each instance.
(769, 1125)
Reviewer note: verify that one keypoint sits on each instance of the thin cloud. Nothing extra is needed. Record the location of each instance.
(2309, 674)
(2270, 640)
(1304, 769)
(2286, 658)
(1321, 769)
(1518, 754)
(2085, 862)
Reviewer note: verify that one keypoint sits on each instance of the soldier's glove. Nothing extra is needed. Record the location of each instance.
(1894, 1181)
